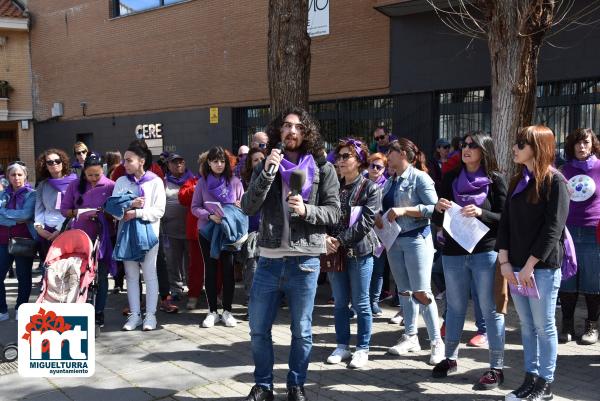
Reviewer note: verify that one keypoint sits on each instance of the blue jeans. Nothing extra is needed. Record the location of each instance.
(463, 272)
(23, 271)
(353, 283)
(538, 327)
(296, 277)
(411, 260)
(377, 278)
(587, 250)
(479, 318)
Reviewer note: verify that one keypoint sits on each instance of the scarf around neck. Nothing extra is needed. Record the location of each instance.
(17, 198)
(148, 176)
(584, 165)
(305, 163)
(61, 184)
(181, 180)
(220, 188)
(471, 188)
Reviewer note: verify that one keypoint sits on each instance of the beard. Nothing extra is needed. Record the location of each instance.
(292, 144)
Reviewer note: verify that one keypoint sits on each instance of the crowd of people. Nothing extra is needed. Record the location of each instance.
(186, 232)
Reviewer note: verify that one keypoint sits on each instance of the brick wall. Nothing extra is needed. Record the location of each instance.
(15, 68)
(190, 55)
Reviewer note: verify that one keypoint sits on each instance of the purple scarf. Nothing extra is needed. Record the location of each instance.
(306, 163)
(76, 164)
(522, 184)
(584, 165)
(16, 199)
(471, 188)
(181, 180)
(356, 144)
(380, 181)
(148, 176)
(220, 189)
(61, 184)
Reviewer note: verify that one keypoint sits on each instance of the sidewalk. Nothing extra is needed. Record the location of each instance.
(180, 361)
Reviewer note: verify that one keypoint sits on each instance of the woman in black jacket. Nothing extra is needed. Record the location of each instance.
(531, 254)
(360, 200)
(480, 191)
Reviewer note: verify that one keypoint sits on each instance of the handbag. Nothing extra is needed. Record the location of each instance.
(336, 262)
(23, 247)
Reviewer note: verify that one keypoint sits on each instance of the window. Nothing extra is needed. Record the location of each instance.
(126, 7)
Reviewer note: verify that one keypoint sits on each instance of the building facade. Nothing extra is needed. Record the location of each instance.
(16, 108)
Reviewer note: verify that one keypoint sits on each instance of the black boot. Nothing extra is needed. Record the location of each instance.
(524, 390)
(296, 393)
(590, 334)
(541, 391)
(567, 332)
(259, 393)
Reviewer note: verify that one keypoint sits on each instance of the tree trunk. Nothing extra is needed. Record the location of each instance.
(515, 35)
(288, 54)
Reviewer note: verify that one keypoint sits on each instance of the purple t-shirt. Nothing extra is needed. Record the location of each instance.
(584, 186)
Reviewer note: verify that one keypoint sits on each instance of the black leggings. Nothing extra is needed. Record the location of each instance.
(210, 282)
(568, 301)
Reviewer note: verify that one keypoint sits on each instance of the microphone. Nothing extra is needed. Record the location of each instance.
(297, 179)
(272, 167)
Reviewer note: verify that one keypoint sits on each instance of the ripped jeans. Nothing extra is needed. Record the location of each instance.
(296, 277)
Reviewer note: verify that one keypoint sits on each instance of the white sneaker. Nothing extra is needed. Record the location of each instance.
(228, 319)
(437, 352)
(405, 345)
(149, 322)
(397, 319)
(191, 303)
(211, 319)
(341, 353)
(4, 316)
(359, 359)
(133, 321)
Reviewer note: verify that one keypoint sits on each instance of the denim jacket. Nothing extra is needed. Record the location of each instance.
(415, 189)
(322, 209)
(10, 217)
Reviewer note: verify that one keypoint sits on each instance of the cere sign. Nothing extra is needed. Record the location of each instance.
(318, 18)
(152, 134)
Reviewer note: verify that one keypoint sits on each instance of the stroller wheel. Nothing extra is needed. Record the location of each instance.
(10, 352)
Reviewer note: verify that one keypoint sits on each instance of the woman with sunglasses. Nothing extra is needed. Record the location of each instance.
(531, 254)
(409, 198)
(17, 208)
(377, 164)
(54, 176)
(90, 192)
(480, 191)
(582, 169)
(80, 151)
(354, 234)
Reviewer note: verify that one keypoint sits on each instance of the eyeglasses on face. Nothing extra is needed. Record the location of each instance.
(380, 137)
(288, 126)
(521, 143)
(445, 147)
(377, 167)
(53, 162)
(344, 156)
(262, 145)
(470, 145)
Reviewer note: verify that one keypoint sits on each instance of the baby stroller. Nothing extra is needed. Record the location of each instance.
(71, 267)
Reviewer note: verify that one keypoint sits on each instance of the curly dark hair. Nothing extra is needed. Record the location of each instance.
(41, 169)
(577, 135)
(246, 173)
(363, 158)
(217, 153)
(311, 142)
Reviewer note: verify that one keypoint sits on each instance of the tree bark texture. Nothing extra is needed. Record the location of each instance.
(516, 30)
(288, 54)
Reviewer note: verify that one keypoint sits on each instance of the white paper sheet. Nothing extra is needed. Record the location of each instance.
(388, 234)
(84, 211)
(466, 231)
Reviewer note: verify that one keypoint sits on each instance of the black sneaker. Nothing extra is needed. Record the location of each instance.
(524, 390)
(259, 393)
(296, 393)
(541, 391)
(444, 368)
(490, 380)
(100, 319)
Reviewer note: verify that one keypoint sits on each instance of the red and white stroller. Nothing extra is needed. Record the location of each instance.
(71, 266)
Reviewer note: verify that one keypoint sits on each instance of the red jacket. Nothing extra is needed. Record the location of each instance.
(119, 171)
(452, 162)
(186, 193)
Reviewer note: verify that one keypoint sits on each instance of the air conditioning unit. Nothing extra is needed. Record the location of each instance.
(57, 110)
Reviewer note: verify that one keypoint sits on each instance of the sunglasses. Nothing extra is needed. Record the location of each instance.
(380, 137)
(262, 145)
(470, 145)
(521, 144)
(81, 152)
(53, 162)
(445, 147)
(376, 166)
(344, 156)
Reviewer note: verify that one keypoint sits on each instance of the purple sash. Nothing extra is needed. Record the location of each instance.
(61, 184)
(471, 188)
(306, 163)
(181, 180)
(522, 184)
(220, 189)
(16, 199)
(584, 165)
(148, 176)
